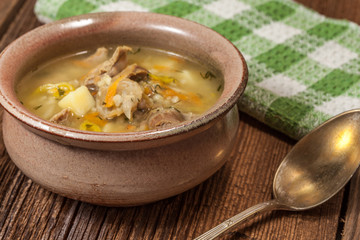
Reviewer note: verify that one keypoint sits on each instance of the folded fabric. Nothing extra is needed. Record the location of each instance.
(303, 67)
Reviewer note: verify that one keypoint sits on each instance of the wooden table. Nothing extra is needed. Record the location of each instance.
(27, 211)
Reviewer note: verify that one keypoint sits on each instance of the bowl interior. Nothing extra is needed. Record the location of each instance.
(89, 31)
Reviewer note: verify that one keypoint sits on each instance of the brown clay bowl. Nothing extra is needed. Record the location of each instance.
(121, 169)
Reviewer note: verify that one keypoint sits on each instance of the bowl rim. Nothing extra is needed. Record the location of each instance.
(19, 112)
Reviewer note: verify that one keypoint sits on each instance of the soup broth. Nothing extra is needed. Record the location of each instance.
(120, 89)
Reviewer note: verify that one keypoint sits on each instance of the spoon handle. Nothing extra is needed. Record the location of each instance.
(237, 219)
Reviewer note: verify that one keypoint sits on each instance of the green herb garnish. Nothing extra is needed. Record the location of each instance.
(164, 79)
(208, 75)
(61, 92)
(37, 107)
(137, 51)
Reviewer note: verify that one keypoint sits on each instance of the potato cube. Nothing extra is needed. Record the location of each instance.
(79, 101)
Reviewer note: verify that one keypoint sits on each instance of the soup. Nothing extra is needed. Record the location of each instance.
(120, 89)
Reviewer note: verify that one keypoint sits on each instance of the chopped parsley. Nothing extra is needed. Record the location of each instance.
(208, 75)
(37, 107)
(61, 92)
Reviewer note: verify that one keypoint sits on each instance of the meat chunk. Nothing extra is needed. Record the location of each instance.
(133, 72)
(128, 95)
(117, 62)
(111, 67)
(98, 57)
(139, 74)
(145, 103)
(62, 117)
(164, 117)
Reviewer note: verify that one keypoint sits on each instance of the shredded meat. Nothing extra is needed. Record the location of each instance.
(98, 57)
(164, 117)
(117, 62)
(139, 74)
(133, 72)
(145, 103)
(126, 99)
(111, 67)
(61, 117)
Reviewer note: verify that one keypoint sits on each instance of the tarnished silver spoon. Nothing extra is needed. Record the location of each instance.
(317, 167)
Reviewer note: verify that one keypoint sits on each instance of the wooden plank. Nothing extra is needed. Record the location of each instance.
(352, 219)
(23, 21)
(8, 10)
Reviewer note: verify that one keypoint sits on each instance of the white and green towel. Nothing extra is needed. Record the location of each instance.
(303, 67)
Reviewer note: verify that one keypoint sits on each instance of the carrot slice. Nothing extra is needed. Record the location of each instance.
(109, 102)
(130, 127)
(82, 64)
(191, 97)
(95, 118)
(176, 58)
(161, 67)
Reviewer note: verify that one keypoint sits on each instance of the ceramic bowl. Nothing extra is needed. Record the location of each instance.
(121, 169)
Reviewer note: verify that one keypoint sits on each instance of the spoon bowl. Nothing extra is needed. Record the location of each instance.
(317, 167)
(320, 164)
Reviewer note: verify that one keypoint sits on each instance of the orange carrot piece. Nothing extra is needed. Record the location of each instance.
(161, 67)
(130, 127)
(82, 64)
(168, 92)
(195, 98)
(191, 97)
(95, 118)
(176, 58)
(113, 87)
(109, 102)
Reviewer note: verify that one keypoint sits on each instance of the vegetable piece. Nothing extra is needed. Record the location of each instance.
(190, 97)
(162, 68)
(168, 92)
(58, 90)
(89, 126)
(176, 59)
(127, 72)
(37, 107)
(130, 127)
(208, 75)
(109, 102)
(79, 101)
(81, 63)
(95, 118)
(164, 79)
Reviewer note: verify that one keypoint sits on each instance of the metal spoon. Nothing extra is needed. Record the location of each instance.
(317, 167)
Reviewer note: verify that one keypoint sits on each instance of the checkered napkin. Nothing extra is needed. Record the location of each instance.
(303, 67)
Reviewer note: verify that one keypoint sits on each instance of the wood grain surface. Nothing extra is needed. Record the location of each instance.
(27, 211)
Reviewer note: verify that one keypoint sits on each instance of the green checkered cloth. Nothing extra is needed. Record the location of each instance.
(303, 67)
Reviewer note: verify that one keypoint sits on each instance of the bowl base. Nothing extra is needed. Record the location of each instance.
(121, 178)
